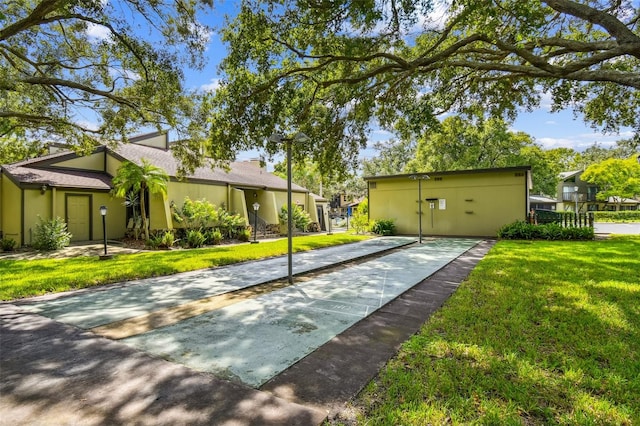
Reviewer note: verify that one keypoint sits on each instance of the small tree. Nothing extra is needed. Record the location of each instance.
(617, 179)
(360, 220)
(131, 177)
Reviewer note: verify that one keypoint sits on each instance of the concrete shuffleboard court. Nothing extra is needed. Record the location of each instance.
(251, 341)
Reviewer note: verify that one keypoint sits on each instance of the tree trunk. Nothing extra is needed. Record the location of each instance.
(143, 210)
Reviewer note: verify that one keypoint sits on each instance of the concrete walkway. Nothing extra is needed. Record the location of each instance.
(55, 371)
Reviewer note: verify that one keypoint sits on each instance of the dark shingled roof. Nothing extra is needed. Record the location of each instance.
(39, 171)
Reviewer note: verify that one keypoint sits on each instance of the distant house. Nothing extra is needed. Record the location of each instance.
(540, 202)
(575, 194)
(63, 184)
(453, 203)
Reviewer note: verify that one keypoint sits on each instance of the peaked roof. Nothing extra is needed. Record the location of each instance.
(42, 171)
(240, 173)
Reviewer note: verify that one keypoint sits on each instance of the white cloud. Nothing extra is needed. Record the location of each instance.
(212, 86)
(581, 141)
(98, 32)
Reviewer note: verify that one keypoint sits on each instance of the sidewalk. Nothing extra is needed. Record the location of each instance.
(57, 373)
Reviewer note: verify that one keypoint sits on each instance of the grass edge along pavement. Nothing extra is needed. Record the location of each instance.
(542, 332)
(26, 278)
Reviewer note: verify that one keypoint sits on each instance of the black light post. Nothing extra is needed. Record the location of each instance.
(301, 138)
(420, 178)
(256, 207)
(103, 213)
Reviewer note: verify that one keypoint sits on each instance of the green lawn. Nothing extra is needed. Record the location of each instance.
(24, 278)
(541, 333)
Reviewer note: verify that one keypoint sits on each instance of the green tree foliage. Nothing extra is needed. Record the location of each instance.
(334, 69)
(63, 63)
(139, 179)
(391, 159)
(14, 149)
(460, 144)
(615, 178)
(305, 173)
(360, 220)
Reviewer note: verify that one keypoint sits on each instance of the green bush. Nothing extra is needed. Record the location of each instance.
(244, 235)
(521, 230)
(383, 227)
(51, 234)
(300, 219)
(622, 216)
(195, 238)
(213, 236)
(230, 225)
(7, 244)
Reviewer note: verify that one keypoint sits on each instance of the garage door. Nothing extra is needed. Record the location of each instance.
(78, 217)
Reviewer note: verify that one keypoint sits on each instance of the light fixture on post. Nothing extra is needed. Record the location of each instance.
(103, 213)
(419, 178)
(256, 207)
(300, 138)
(43, 189)
(575, 195)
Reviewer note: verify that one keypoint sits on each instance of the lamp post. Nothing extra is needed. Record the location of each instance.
(103, 213)
(419, 178)
(256, 207)
(300, 138)
(575, 195)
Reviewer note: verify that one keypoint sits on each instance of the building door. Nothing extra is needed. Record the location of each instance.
(79, 217)
(320, 210)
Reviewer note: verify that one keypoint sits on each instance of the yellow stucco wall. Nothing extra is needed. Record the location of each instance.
(112, 165)
(268, 205)
(12, 210)
(89, 162)
(238, 204)
(36, 205)
(473, 204)
(215, 194)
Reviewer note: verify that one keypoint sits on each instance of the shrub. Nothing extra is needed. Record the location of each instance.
(195, 214)
(213, 236)
(383, 227)
(168, 239)
(521, 230)
(300, 218)
(244, 235)
(195, 238)
(229, 225)
(51, 234)
(7, 244)
(621, 216)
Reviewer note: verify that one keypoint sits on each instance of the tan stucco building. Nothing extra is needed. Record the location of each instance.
(455, 203)
(63, 184)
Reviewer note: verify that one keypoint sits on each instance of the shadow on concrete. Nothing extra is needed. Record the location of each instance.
(57, 374)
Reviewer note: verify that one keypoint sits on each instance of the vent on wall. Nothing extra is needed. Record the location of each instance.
(372, 185)
(519, 174)
(437, 178)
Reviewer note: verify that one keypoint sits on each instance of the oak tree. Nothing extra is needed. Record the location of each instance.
(87, 72)
(333, 69)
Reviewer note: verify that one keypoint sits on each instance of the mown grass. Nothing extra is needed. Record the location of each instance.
(24, 278)
(541, 333)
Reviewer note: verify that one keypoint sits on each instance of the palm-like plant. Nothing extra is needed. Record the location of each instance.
(132, 177)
